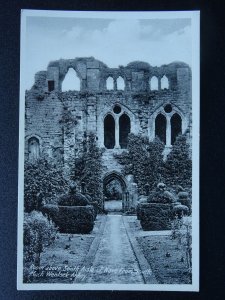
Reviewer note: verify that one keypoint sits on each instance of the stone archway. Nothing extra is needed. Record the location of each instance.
(124, 194)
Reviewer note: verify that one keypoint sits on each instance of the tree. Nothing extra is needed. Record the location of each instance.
(43, 182)
(144, 160)
(88, 170)
(178, 165)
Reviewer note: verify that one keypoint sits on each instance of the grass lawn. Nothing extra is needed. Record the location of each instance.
(166, 260)
(61, 261)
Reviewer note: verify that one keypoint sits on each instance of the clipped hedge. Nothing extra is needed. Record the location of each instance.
(184, 199)
(180, 210)
(155, 216)
(76, 199)
(72, 219)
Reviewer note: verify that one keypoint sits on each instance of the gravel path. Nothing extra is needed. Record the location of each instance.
(114, 261)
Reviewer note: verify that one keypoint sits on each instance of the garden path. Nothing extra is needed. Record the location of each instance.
(114, 261)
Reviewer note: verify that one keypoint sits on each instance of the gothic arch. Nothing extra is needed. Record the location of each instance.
(160, 127)
(154, 83)
(109, 131)
(71, 81)
(110, 83)
(164, 82)
(124, 130)
(120, 82)
(168, 115)
(176, 127)
(33, 148)
(115, 175)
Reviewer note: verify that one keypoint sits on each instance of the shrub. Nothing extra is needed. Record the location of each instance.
(38, 234)
(144, 160)
(76, 199)
(155, 216)
(43, 182)
(182, 232)
(180, 210)
(72, 219)
(88, 170)
(178, 165)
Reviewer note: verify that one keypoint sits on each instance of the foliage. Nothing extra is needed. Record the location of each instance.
(71, 219)
(182, 232)
(38, 234)
(42, 183)
(144, 160)
(88, 169)
(178, 165)
(76, 199)
(180, 210)
(113, 190)
(155, 216)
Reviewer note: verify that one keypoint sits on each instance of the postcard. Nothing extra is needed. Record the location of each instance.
(108, 195)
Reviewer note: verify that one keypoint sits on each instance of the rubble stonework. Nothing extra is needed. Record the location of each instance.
(57, 122)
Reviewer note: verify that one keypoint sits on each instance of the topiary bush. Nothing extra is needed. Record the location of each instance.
(73, 214)
(72, 219)
(180, 210)
(155, 216)
(76, 199)
(157, 213)
(184, 199)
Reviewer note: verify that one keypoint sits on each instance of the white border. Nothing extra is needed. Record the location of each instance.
(195, 17)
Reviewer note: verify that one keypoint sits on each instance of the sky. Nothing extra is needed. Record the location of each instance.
(112, 41)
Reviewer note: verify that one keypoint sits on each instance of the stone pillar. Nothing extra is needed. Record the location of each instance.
(115, 84)
(159, 83)
(117, 137)
(168, 132)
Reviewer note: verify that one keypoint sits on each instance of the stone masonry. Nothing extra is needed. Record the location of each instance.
(58, 122)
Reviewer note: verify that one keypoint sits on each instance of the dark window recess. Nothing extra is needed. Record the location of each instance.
(176, 127)
(168, 108)
(117, 109)
(109, 132)
(51, 85)
(160, 127)
(124, 130)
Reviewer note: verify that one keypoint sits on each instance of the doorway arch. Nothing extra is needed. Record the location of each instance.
(117, 177)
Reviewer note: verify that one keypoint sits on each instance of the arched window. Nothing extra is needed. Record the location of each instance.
(154, 83)
(120, 83)
(176, 127)
(33, 149)
(124, 130)
(160, 127)
(109, 132)
(71, 81)
(109, 83)
(164, 83)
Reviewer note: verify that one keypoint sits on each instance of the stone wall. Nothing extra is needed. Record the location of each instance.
(62, 120)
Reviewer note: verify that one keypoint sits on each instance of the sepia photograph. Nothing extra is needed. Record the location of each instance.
(108, 195)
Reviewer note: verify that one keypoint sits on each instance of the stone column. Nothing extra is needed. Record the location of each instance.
(159, 83)
(117, 136)
(115, 84)
(168, 132)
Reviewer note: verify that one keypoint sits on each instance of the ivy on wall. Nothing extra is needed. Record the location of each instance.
(88, 169)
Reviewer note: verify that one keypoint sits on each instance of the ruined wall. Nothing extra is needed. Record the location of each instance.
(61, 120)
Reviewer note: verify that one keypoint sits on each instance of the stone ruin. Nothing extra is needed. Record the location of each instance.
(109, 102)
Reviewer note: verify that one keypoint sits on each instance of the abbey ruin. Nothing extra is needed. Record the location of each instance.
(111, 103)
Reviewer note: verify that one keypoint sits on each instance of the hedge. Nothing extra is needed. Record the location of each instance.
(72, 219)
